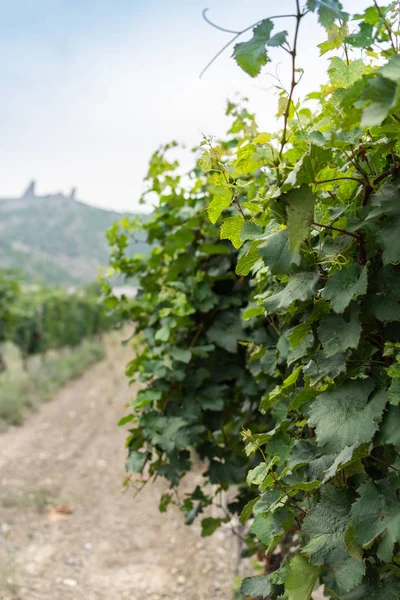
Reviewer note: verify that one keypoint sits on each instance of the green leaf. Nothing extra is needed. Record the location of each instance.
(301, 398)
(301, 287)
(230, 230)
(363, 38)
(326, 525)
(343, 74)
(377, 512)
(256, 586)
(276, 253)
(353, 415)
(253, 311)
(308, 167)
(389, 431)
(278, 39)
(247, 261)
(125, 420)
(205, 162)
(379, 97)
(300, 212)
(218, 204)
(373, 589)
(353, 548)
(298, 333)
(210, 525)
(226, 331)
(301, 579)
(257, 475)
(270, 528)
(389, 240)
(250, 231)
(135, 461)
(248, 510)
(329, 11)
(383, 299)
(181, 355)
(336, 36)
(345, 285)
(271, 398)
(347, 456)
(394, 392)
(336, 335)
(262, 138)
(323, 366)
(252, 55)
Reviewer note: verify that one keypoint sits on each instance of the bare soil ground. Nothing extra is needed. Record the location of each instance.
(111, 546)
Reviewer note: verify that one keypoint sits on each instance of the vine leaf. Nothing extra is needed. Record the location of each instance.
(379, 97)
(300, 213)
(250, 231)
(135, 461)
(252, 55)
(389, 432)
(219, 203)
(210, 525)
(373, 589)
(377, 512)
(336, 36)
(383, 299)
(329, 11)
(352, 414)
(389, 239)
(247, 261)
(272, 526)
(226, 331)
(343, 74)
(323, 366)
(337, 335)
(326, 525)
(301, 286)
(205, 162)
(276, 253)
(230, 230)
(181, 355)
(363, 38)
(256, 586)
(298, 333)
(345, 285)
(301, 578)
(308, 167)
(381, 93)
(347, 456)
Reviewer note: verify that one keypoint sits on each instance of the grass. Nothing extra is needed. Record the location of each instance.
(21, 391)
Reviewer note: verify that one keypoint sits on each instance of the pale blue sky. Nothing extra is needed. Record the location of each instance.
(91, 87)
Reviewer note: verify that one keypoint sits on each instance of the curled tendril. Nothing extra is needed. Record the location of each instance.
(338, 259)
(207, 20)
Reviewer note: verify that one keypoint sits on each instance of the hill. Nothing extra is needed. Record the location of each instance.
(54, 239)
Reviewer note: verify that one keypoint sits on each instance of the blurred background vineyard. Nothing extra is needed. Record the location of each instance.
(51, 315)
(47, 336)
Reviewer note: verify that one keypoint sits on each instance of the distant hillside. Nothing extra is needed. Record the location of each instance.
(55, 239)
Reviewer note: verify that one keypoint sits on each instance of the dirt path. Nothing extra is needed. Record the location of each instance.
(112, 546)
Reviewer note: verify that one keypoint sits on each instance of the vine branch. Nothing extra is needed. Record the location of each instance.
(357, 237)
(294, 82)
(388, 27)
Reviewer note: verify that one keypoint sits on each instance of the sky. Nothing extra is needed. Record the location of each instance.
(90, 88)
